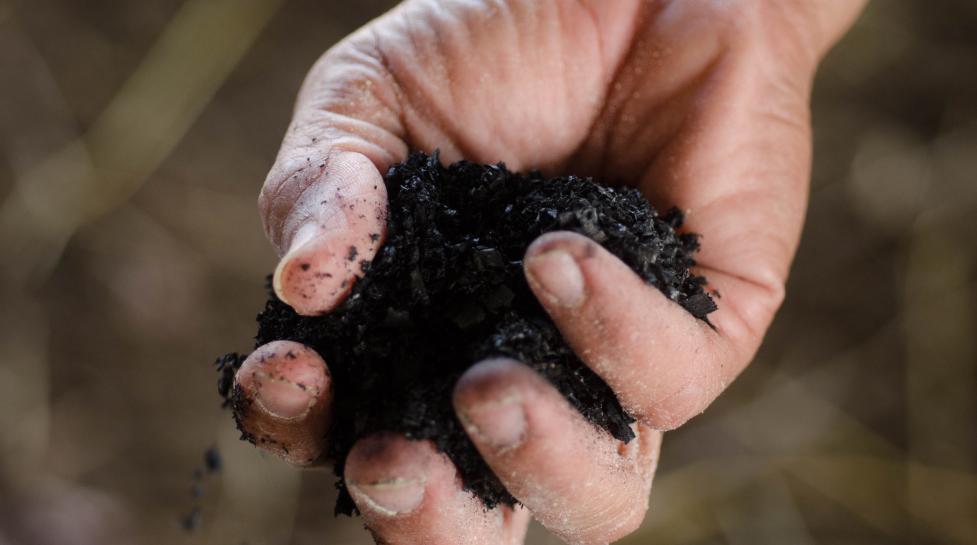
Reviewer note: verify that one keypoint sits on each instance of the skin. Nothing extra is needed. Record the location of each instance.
(700, 103)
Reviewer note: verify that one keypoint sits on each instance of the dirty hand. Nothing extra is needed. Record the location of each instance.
(698, 103)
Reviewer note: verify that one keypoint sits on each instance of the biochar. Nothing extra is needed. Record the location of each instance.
(446, 290)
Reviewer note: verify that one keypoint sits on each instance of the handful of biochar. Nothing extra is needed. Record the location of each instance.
(446, 290)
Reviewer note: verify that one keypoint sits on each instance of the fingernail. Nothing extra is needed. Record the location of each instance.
(499, 424)
(281, 398)
(389, 497)
(302, 237)
(557, 274)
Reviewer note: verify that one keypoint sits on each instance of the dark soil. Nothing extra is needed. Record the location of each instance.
(447, 290)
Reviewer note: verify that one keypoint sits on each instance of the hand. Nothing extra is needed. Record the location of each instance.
(700, 104)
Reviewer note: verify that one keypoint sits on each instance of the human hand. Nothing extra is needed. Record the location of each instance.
(700, 104)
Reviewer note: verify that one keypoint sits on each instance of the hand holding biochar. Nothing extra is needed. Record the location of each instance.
(447, 290)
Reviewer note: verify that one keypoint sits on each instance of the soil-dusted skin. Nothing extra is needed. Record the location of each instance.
(447, 290)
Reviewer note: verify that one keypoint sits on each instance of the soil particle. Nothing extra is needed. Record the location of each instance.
(227, 365)
(212, 463)
(447, 290)
(212, 460)
(191, 521)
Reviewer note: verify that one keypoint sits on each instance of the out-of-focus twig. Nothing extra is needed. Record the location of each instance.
(34, 115)
(140, 127)
(88, 177)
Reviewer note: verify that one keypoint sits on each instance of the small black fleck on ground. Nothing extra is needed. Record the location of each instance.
(447, 290)
(212, 461)
(191, 521)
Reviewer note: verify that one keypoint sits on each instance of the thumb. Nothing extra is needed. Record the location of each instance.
(333, 223)
(324, 202)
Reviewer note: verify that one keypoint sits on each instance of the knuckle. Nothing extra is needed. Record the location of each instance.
(671, 418)
(630, 521)
(614, 525)
(674, 410)
(776, 291)
(294, 172)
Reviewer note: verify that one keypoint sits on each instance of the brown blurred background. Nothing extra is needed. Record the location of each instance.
(133, 140)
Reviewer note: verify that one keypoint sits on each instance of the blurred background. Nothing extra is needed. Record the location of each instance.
(134, 137)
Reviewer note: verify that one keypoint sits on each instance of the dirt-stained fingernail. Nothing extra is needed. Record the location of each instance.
(498, 424)
(281, 398)
(292, 264)
(558, 276)
(389, 497)
(283, 379)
